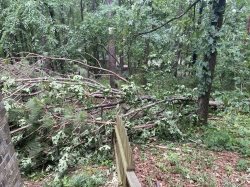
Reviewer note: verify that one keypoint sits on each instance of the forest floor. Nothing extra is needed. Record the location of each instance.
(178, 165)
(172, 164)
(189, 165)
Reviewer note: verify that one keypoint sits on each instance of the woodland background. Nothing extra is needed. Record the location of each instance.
(177, 71)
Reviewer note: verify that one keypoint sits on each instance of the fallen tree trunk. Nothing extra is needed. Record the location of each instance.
(174, 99)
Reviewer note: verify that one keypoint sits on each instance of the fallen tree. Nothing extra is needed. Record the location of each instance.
(52, 114)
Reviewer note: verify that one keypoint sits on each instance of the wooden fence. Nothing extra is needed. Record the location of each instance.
(123, 154)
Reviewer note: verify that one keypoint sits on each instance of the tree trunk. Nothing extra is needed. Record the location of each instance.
(145, 62)
(94, 5)
(201, 9)
(248, 25)
(121, 62)
(62, 15)
(111, 51)
(208, 72)
(146, 53)
(112, 61)
(81, 9)
(177, 61)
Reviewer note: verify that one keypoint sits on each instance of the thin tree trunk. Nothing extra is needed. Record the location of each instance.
(82, 8)
(112, 61)
(201, 8)
(146, 52)
(210, 58)
(130, 69)
(62, 15)
(248, 25)
(95, 47)
(52, 15)
(177, 61)
(121, 63)
(94, 5)
(145, 62)
(111, 51)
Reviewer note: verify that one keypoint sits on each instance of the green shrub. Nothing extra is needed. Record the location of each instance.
(243, 165)
(231, 133)
(218, 139)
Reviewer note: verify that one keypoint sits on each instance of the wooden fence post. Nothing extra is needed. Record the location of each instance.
(124, 159)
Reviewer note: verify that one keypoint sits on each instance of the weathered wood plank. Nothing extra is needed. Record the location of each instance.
(124, 159)
(132, 179)
(122, 156)
(121, 150)
(118, 163)
(125, 143)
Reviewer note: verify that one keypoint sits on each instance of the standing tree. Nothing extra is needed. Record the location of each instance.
(210, 57)
(111, 51)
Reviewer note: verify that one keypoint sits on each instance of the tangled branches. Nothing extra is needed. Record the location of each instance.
(61, 117)
(64, 116)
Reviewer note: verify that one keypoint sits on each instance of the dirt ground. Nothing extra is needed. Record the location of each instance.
(189, 166)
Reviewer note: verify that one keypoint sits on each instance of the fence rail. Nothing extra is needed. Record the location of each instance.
(124, 159)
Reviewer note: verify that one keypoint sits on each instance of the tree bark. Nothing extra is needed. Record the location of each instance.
(112, 61)
(111, 51)
(218, 10)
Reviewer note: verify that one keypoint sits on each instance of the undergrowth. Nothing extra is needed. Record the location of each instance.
(60, 127)
(231, 133)
(78, 180)
(228, 128)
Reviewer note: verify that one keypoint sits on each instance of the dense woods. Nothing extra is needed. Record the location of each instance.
(176, 71)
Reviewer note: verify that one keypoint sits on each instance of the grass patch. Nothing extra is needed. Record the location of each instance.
(179, 169)
(243, 165)
(204, 179)
(232, 133)
(173, 158)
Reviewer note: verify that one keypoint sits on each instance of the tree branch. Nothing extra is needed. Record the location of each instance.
(32, 55)
(105, 105)
(171, 20)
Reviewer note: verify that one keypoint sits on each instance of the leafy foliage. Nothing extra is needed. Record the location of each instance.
(55, 104)
(56, 133)
(77, 180)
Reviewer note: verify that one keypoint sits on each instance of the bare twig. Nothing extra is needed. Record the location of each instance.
(105, 105)
(146, 126)
(20, 129)
(143, 108)
(169, 99)
(32, 55)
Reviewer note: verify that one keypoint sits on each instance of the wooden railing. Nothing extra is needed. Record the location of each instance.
(123, 154)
